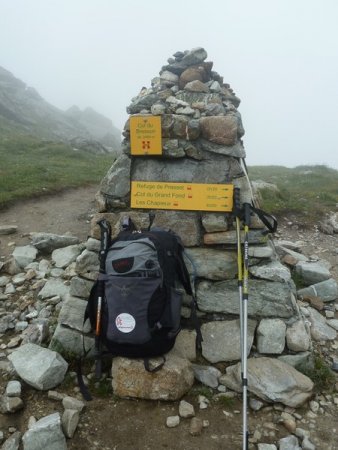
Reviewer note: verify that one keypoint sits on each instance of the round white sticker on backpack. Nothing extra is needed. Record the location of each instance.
(125, 323)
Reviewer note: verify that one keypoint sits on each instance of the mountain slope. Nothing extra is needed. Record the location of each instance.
(24, 111)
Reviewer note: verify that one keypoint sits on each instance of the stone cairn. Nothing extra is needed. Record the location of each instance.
(201, 138)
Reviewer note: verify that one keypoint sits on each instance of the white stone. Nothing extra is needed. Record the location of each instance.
(297, 338)
(24, 255)
(62, 257)
(13, 389)
(185, 409)
(39, 367)
(271, 336)
(173, 421)
(320, 331)
(45, 433)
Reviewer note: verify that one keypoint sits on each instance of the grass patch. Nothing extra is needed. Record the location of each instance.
(102, 388)
(321, 375)
(225, 402)
(203, 390)
(31, 167)
(309, 190)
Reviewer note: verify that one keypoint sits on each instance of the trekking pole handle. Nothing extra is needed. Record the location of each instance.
(105, 230)
(237, 202)
(247, 209)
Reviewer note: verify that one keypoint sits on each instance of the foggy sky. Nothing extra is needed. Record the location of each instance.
(279, 56)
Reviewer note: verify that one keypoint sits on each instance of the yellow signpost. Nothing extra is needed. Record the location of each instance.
(145, 135)
(182, 196)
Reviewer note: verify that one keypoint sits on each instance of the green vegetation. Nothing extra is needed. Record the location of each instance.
(321, 375)
(203, 390)
(308, 190)
(31, 167)
(102, 388)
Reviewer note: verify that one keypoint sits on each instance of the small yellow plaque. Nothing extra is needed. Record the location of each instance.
(182, 196)
(145, 135)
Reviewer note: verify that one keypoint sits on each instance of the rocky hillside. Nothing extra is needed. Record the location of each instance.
(24, 111)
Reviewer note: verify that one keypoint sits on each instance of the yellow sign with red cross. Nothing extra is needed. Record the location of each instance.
(145, 135)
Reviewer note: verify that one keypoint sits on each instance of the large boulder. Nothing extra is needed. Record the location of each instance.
(39, 367)
(171, 382)
(45, 433)
(271, 380)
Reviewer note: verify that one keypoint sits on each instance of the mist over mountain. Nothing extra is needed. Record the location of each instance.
(24, 111)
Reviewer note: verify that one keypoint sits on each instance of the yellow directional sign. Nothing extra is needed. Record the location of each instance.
(145, 135)
(183, 196)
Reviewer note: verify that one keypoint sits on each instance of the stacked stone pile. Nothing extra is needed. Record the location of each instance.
(202, 142)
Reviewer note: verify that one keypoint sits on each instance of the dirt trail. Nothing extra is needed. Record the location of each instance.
(66, 212)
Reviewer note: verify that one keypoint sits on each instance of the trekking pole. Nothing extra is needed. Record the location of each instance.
(245, 297)
(105, 230)
(238, 214)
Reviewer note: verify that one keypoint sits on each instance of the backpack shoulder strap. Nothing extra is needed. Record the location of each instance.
(268, 219)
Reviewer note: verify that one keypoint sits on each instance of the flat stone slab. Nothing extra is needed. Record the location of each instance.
(214, 264)
(266, 298)
(326, 290)
(52, 288)
(47, 242)
(271, 380)
(221, 340)
(312, 272)
(320, 330)
(8, 229)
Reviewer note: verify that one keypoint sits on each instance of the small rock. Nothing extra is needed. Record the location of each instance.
(72, 403)
(8, 229)
(289, 443)
(196, 426)
(10, 404)
(255, 404)
(70, 420)
(31, 422)
(290, 425)
(301, 433)
(13, 389)
(173, 421)
(54, 395)
(186, 409)
(307, 445)
(14, 342)
(13, 442)
(203, 402)
(314, 406)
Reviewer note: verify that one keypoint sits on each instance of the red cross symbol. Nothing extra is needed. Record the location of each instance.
(145, 145)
